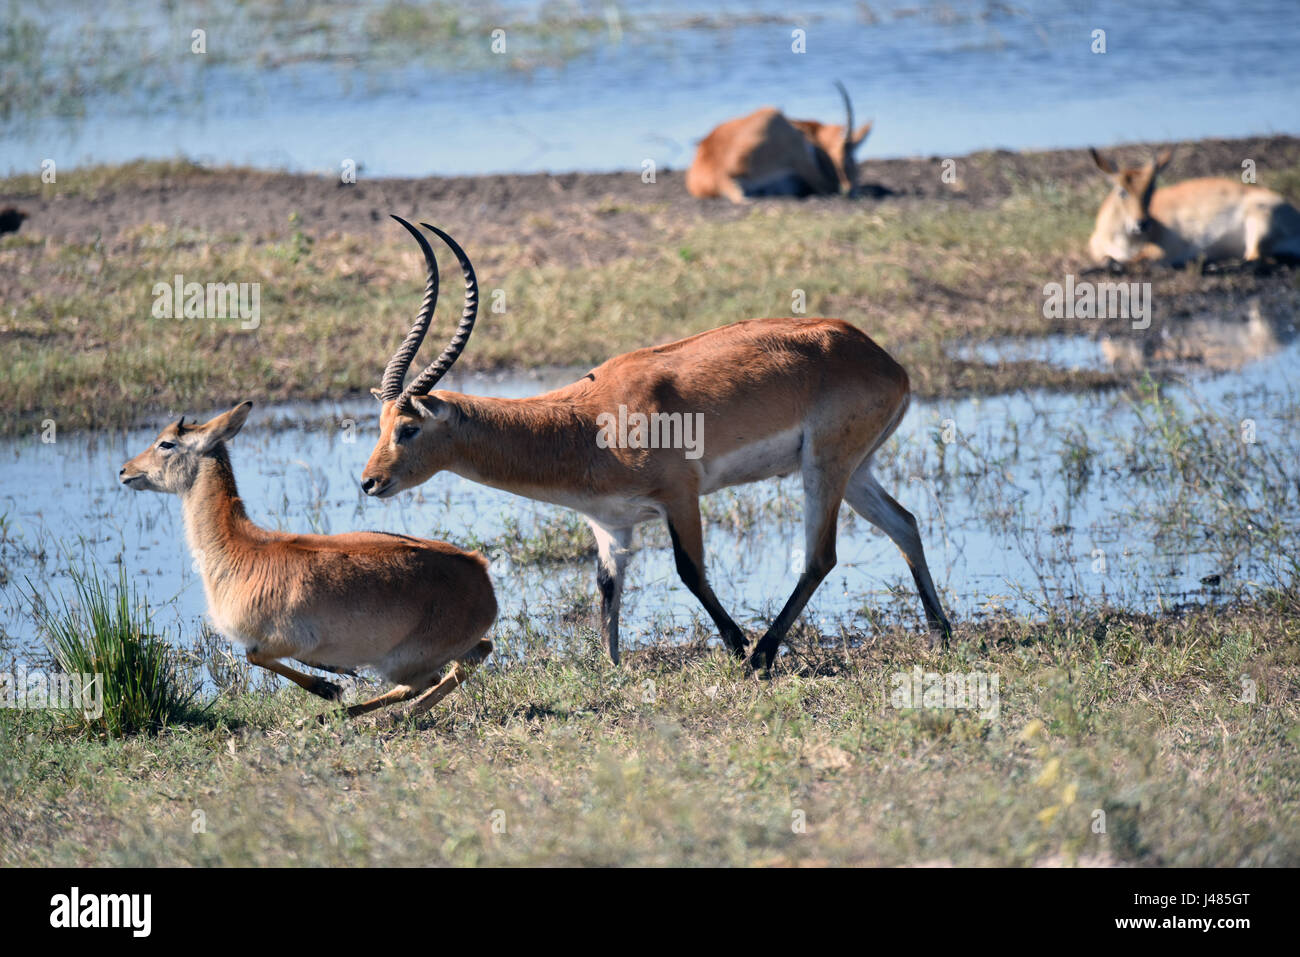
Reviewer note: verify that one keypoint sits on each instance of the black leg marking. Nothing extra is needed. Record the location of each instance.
(693, 579)
(608, 586)
(689, 574)
(326, 689)
(767, 647)
(605, 582)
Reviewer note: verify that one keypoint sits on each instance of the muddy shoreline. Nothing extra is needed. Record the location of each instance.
(261, 203)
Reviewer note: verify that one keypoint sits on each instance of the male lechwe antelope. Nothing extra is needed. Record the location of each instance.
(765, 153)
(774, 396)
(406, 607)
(1208, 218)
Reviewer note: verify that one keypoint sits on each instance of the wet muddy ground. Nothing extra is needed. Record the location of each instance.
(522, 205)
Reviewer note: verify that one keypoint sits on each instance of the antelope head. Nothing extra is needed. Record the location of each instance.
(171, 463)
(1131, 191)
(416, 427)
(840, 142)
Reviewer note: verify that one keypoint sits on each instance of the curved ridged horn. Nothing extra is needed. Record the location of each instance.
(439, 366)
(395, 371)
(848, 110)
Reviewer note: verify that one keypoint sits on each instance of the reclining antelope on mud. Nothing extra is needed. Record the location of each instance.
(774, 396)
(766, 154)
(1208, 218)
(407, 607)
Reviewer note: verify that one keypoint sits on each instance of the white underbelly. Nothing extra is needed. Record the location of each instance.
(1221, 236)
(770, 456)
(767, 457)
(611, 511)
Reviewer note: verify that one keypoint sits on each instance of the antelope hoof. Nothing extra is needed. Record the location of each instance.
(760, 662)
(320, 719)
(327, 690)
(737, 644)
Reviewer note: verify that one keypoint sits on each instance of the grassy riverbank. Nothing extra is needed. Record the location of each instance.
(1181, 731)
(573, 271)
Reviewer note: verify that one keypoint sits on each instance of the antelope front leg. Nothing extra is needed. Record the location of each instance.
(732, 191)
(612, 546)
(313, 683)
(688, 548)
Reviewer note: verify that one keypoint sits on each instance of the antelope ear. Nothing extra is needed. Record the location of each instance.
(1105, 165)
(377, 394)
(431, 408)
(221, 428)
(1162, 160)
(861, 132)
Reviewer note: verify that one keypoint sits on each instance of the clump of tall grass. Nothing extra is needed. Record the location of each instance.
(105, 631)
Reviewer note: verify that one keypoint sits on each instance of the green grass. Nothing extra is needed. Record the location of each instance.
(81, 345)
(107, 631)
(56, 72)
(552, 756)
(97, 179)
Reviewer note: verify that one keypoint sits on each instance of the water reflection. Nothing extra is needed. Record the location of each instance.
(1213, 343)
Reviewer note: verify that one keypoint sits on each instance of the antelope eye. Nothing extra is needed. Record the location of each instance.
(407, 432)
(166, 445)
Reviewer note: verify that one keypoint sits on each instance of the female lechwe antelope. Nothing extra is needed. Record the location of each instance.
(765, 153)
(1198, 218)
(406, 607)
(773, 396)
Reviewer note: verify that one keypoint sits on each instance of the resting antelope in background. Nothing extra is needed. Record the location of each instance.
(1208, 218)
(765, 153)
(406, 607)
(775, 396)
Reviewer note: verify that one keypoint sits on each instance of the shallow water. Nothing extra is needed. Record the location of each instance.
(1075, 353)
(940, 78)
(1198, 343)
(1012, 516)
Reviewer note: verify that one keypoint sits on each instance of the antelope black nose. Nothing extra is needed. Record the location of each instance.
(368, 485)
(121, 471)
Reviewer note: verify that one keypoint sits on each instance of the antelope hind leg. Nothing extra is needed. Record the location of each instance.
(313, 683)
(822, 496)
(393, 696)
(433, 695)
(460, 671)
